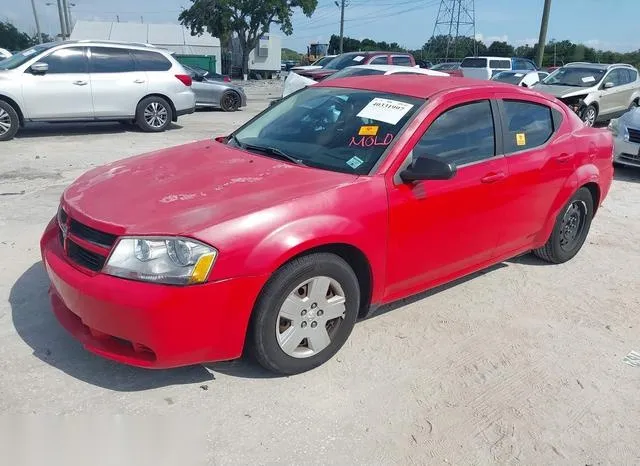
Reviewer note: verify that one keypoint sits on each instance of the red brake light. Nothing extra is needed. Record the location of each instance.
(184, 79)
(226, 79)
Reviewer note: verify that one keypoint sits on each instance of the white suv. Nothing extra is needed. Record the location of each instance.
(93, 81)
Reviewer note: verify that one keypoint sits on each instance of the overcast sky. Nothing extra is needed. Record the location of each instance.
(408, 22)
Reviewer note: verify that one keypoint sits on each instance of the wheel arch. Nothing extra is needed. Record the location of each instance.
(15, 106)
(174, 116)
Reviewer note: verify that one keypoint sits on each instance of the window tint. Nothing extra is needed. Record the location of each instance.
(111, 60)
(401, 61)
(150, 61)
(461, 135)
(504, 64)
(379, 61)
(529, 125)
(616, 77)
(69, 60)
(474, 63)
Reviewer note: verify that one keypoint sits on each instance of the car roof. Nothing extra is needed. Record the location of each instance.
(111, 43)
(490, 58)
(398, 69)
(414, 85)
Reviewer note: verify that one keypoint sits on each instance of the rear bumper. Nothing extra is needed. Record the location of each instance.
(148, 325)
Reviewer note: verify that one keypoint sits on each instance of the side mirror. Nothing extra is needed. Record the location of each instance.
(608, 85)
(39, 68)
(424, 168)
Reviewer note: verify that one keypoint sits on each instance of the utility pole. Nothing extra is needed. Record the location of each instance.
(35, 16)
(341, 6)
(543, 32)
(63, 25)
(65, 13)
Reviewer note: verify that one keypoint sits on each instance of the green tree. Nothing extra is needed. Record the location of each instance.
(12, 39)
(500, 49)
(248, 20)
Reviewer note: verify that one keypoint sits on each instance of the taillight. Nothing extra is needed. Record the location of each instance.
(184, 79)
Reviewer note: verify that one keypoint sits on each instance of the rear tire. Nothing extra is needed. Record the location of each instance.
(9, 121)
(304, 314)
(570, 230)
(230, 101)
(154, 114)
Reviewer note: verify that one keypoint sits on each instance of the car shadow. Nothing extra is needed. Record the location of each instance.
(629, 174)
(38, 328)
(38, 130)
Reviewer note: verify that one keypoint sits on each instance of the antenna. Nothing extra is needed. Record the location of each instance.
(456, 19)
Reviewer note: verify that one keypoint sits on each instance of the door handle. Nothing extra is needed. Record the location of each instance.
(493, 177)
(564, 158)
(139, 81)
(80, 83)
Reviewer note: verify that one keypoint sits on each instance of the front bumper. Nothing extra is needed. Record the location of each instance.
(626, 153)
(145, 324)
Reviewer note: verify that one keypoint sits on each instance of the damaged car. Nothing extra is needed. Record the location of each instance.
(626, 137)
(596, 92)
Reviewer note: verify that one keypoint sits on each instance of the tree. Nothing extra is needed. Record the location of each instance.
(248, 20)
(12, 39)
(500, 49)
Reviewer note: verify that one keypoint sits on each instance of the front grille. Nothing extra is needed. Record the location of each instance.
(631, 157)
(85, 258)
(634, 135)
(91, 235)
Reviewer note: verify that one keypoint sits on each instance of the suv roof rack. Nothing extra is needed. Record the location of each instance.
(114, 42)
(626, 65)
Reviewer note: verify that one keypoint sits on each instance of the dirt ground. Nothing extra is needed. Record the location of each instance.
(520, 364)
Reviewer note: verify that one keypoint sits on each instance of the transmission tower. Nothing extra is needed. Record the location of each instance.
(456, 18)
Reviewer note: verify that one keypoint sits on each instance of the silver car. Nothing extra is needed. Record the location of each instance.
(626, 134)
(93, 81)
(214, 93)
(596, 92)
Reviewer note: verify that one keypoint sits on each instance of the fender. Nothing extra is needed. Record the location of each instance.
(296, 237)
(583, 175)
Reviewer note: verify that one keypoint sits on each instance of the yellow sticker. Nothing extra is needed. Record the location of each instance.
(368, 131)
(521, 139)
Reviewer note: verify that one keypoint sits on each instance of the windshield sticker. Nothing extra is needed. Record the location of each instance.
(385, 110)
(371, 141)
(588, 79)
(521, 139)
(358, 59)
(368, 131)
(355, 162)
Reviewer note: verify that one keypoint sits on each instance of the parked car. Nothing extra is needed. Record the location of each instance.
(4, 53)
(451, 68)
(626, 133)
(345, 196)
(318, 64)
(487, 67)
(596, 92)
(208, 74)
(214, 93)
(93, 81)
(294, 82)
(426, 64)
(360, 58)
(520, 78)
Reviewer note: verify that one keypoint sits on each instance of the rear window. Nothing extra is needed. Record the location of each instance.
(474, 63)
(150, 61)
(505, 64)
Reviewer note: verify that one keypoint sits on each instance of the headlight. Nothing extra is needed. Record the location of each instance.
(614, 127)
(172, 261)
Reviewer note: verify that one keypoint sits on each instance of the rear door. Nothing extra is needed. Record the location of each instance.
(64, 92)
(116, 84)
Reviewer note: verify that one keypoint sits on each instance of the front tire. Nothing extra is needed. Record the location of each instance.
(570, 230)
(154, 114)
(304, 314)
(9, 121)
(590, 115)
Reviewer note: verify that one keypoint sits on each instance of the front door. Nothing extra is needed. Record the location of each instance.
(614, 99)
(63, 92)
(443, 229)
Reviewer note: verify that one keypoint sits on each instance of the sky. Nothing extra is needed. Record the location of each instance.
(407, 22)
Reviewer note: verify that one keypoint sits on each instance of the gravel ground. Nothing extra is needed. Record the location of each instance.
(522, 363)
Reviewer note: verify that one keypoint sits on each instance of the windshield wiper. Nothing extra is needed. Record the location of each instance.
(272, 151)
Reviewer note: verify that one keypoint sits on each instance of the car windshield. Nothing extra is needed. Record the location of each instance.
(22, 57)
(346, 60)
(511, 78)
(343, 130)
(575, 77)
(324, 61)
(350, 72)
(445, 66)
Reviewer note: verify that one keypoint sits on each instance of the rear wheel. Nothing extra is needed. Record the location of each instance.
(305, 314)
(9, 121)
(154, 114)
(230, 101)
(570, 231)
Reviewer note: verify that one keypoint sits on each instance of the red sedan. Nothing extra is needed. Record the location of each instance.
(342, 197)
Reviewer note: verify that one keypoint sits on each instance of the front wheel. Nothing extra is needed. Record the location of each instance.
(154, 114)
(305, 314)
(590, 115)
(570, 231)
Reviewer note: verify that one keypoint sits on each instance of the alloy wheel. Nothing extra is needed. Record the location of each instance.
(156, 115)
(230, 101)
(589, 116)
(5, 122)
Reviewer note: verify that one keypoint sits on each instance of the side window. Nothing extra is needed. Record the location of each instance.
(462, 135)
(633, 75)
(401, 61)
(517, 64)
(381, 60)
(615, 77)
(528, 125)
(500, 64)
(528, 65)
(110, 60)
(68, 60)
(542, 76)
(150, 61)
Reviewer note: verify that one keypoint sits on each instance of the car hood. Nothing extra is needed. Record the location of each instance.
(186, 189)
(562, 91)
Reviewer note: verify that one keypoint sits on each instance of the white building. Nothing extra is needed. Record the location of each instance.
(265, 58)
(172, 37)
